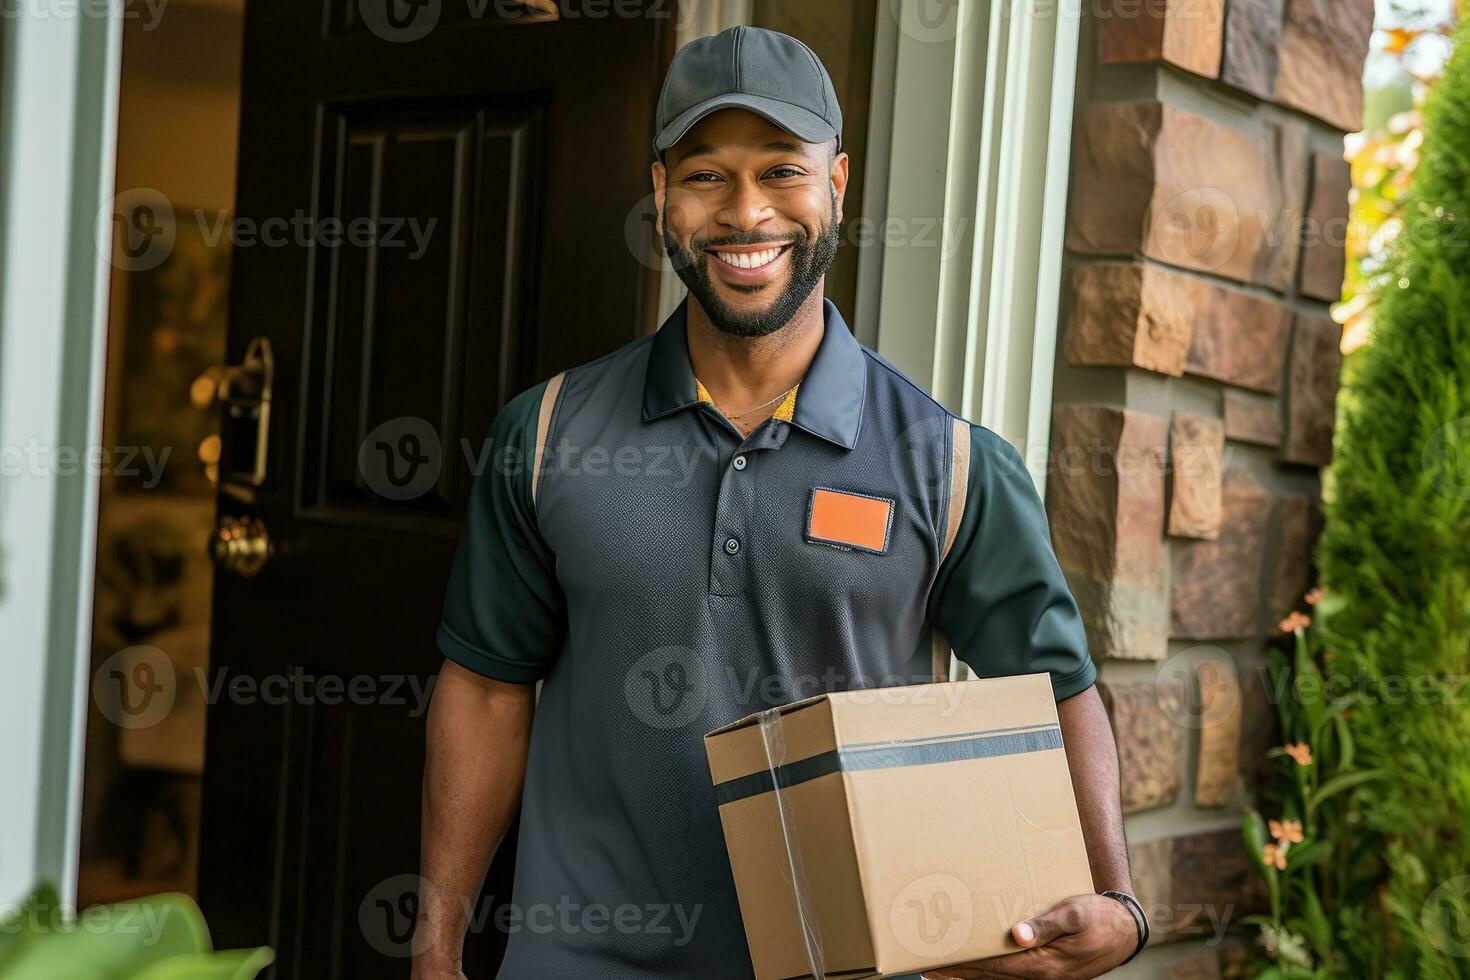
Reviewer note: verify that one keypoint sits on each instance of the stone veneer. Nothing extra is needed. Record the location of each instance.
(1195, 397)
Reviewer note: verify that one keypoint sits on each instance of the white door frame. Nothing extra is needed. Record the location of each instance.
(59, 75)
(977, 148)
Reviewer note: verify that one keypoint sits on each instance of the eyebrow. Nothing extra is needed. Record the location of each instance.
(696, 150)
(778, 146)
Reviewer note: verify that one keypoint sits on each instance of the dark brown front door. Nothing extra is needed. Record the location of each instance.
(434, 198)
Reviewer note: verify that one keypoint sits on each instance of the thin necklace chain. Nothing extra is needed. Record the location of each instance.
(752, 411)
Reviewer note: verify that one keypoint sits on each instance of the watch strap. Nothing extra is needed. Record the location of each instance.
(1139, 919)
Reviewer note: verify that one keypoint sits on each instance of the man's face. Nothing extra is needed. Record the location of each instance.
(750, 216)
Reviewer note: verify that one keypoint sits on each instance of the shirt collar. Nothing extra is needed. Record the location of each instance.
(829, 403)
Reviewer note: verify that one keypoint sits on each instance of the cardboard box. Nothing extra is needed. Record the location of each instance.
(925, 822)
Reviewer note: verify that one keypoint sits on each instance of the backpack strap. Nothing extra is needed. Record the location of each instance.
(543, 429)
(959, 490)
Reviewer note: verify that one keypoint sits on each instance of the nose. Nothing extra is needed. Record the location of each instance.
(746, 207)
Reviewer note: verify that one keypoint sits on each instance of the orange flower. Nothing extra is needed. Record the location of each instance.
(1289, 831)
(1300, 751)
(1275, 854)
(1295, 621)
(1313, 597)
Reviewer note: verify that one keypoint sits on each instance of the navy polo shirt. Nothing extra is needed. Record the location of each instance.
(665, 575)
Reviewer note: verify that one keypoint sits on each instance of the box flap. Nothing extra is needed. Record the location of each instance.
(784, 709)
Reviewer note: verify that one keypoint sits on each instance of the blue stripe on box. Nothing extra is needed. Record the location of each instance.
(892, 755)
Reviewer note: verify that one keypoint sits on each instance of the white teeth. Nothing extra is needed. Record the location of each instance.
(750, 260)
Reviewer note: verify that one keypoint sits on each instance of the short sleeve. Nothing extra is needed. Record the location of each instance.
(1000, 598)
(504, 613)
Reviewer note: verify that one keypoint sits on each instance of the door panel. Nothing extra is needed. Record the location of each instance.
(499, 168)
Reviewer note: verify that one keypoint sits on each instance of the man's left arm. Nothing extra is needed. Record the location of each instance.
(1001, 601)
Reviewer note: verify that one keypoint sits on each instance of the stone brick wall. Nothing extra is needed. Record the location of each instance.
(1195, 389)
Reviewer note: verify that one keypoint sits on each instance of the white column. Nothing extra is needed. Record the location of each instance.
(58, 96)
(976, 198)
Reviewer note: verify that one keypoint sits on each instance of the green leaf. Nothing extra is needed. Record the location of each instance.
(236, 964)
(1338, 784)
(1302, 855)
(1309, 677)
(1345, 745)
(1314, 924)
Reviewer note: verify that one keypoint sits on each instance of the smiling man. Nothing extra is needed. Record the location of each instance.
(839, 529)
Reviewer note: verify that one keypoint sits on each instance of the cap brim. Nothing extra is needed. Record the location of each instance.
(804, 124)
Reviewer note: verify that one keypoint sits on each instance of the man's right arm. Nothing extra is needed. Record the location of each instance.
(503, 624)
(479, 730)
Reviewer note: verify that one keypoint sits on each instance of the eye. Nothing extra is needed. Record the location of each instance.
(703, 177)
(783, 172)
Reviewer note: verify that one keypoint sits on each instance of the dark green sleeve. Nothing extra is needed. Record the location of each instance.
(504, 613)
(1000, 598)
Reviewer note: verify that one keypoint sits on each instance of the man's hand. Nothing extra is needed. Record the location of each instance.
(1079, 937)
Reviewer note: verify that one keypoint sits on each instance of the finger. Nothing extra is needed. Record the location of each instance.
(1062, 919)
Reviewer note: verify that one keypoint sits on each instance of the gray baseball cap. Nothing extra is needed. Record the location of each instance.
(764, 72)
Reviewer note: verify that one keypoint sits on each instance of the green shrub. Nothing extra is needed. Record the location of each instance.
(1395, 563)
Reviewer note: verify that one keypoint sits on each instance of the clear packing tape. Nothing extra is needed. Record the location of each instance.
(773, 735)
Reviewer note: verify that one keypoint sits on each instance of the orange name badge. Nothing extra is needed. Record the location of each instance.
(849, 520)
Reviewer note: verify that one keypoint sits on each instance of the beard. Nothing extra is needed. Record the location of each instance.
(811, 257)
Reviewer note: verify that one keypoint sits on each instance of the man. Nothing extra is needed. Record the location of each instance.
(746, 508)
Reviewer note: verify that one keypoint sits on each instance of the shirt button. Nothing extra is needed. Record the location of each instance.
(739, 463)
(732, 546)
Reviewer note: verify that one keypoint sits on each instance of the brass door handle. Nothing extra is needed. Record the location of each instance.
(241, 545)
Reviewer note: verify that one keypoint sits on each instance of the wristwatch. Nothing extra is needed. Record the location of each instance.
(1139, 919)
